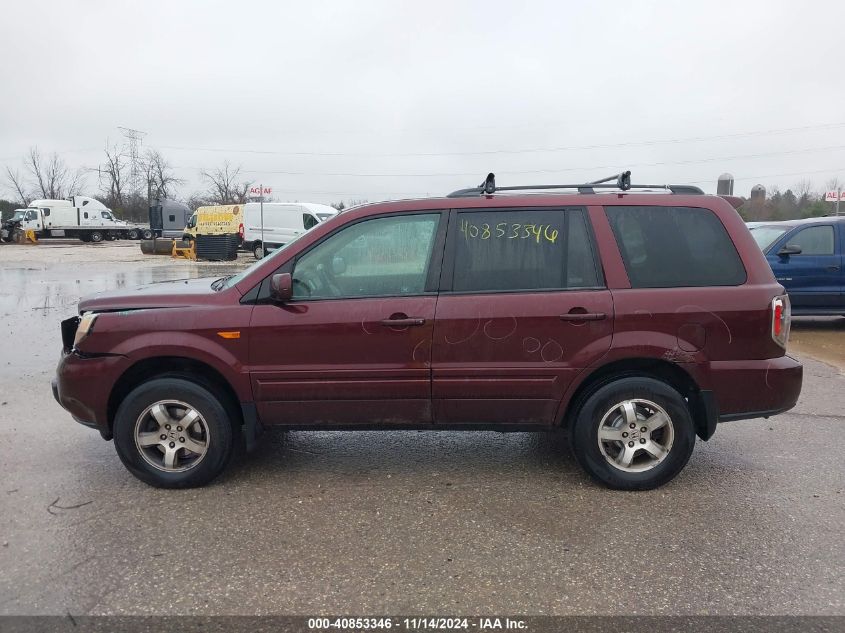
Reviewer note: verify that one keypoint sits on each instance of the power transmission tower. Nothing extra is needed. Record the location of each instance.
(134, 139)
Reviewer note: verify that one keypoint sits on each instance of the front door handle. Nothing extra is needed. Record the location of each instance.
(583, 316)
(403, 321)
(833, 269)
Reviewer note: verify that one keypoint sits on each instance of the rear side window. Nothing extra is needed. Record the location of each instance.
(513, 250)
(814, 240)
(670, 247)
(309, 221)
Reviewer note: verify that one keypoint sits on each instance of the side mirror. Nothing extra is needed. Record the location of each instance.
(281, 287)
(789, 249)
(338, 265)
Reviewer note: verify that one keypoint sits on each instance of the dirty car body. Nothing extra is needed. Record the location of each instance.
(636, 321)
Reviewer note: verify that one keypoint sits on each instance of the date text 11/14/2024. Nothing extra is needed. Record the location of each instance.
(416, 624)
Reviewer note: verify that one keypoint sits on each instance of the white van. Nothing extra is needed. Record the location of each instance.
(283, 221)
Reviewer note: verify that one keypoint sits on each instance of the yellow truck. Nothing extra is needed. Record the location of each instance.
(223, 219)
(216, 231)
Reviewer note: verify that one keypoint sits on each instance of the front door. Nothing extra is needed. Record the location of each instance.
(522, 310)
(353, 347)
(813, 277)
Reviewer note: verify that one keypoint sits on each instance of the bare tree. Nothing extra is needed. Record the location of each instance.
(158, 173)
(16, 181)
(114, 177)
(224, 186)
(53, 178)
(834, 184)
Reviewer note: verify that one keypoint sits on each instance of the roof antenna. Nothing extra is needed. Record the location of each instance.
(489, 184)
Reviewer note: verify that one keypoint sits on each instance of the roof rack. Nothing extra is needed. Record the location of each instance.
(619, 181)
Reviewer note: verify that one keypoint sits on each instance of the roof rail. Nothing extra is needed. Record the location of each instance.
(619, 181)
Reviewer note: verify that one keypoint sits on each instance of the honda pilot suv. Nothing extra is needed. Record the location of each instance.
(634, 317)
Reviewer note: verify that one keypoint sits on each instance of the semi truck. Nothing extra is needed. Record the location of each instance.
(81, 217)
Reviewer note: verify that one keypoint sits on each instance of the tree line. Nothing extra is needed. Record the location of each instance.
(125, 191)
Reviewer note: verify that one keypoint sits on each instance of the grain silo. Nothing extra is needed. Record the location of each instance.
(725, 185)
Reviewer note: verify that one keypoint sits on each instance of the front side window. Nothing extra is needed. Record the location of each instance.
(30, 215)
(814, 240)
(387, 256)
(672, 247)
(523, 250)
(106, 215)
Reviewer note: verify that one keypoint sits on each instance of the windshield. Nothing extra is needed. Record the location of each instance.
(19, 214)
(275, 255)
(765, 236)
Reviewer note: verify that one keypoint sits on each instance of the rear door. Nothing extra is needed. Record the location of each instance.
(522, 310)
(353, 347)
(813, 277)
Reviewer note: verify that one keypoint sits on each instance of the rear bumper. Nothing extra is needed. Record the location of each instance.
(755, 388)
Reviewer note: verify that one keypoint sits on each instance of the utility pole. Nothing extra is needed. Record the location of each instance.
(134, 139)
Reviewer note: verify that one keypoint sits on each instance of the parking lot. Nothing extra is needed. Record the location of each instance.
(401, 522)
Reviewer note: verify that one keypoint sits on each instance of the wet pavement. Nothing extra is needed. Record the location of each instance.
(398, 522)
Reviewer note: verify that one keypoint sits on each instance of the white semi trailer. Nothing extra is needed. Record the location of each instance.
(81, 216)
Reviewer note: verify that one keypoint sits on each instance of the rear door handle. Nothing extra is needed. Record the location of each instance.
(583, 316)
(403, 322)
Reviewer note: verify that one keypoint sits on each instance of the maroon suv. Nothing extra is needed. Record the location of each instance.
(634, 320)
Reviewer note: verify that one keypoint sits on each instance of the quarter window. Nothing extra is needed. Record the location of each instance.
(814, 240)
(513, 250)
(380, 257)
(669, 247)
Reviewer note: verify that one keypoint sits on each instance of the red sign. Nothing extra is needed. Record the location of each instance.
(833, 196)
(257, 192)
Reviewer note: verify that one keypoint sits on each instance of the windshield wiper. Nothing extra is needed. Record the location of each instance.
(219, 284)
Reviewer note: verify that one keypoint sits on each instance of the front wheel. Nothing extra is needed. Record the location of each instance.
(633, 434)
(96, 236)
(173, 433)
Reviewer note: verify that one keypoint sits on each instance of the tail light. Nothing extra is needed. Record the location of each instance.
(781, 320)
(241, 231)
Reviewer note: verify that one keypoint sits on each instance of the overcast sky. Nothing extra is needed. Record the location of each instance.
(422, 98)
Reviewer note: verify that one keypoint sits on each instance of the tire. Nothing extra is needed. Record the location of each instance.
(147, 234)
(258, 250)
(211, 433)
(96, 236)
(133, 234)
(646, 396)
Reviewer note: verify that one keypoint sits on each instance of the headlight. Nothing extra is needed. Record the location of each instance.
(86, 324)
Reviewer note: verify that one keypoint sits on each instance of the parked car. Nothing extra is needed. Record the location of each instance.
(806, 257)
(636, 321)
(282, 222)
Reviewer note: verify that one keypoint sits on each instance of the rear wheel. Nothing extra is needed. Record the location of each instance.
(96, 236)
(258, 250)
(633, 434)
(133, 234)
(147, 234)
(173, 433)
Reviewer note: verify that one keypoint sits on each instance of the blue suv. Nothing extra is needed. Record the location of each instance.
(806, 257)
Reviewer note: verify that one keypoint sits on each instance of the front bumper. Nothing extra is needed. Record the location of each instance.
(82, 386)
(756, 388)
